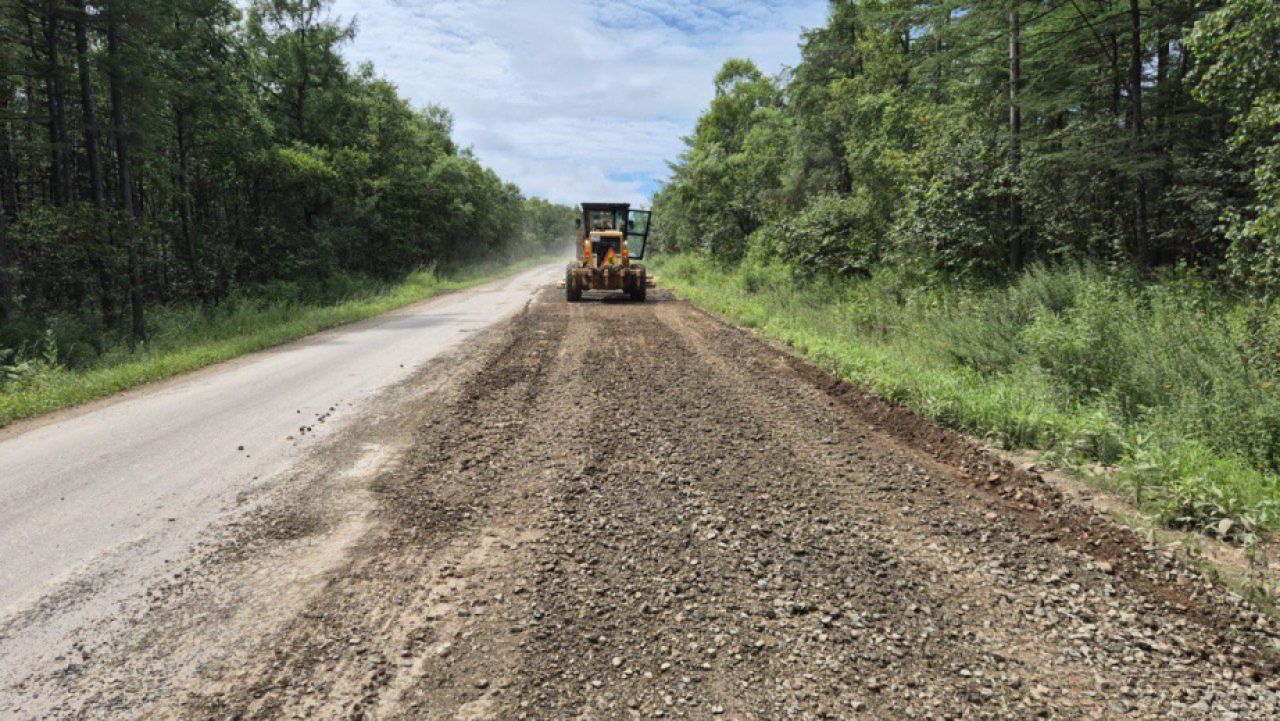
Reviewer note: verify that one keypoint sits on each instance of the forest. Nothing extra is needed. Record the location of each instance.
(162, 155)
(1053, 223)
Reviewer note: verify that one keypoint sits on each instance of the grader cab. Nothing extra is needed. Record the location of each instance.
(611, 238)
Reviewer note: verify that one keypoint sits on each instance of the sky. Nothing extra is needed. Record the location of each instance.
(573, 100)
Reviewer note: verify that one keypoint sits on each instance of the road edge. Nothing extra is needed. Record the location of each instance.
(1225, 565)
(26, 424)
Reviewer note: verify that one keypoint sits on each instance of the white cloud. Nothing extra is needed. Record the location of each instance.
(572, 99)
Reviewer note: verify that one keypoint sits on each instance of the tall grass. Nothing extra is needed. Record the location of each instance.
(71, 363)
(1175, 382)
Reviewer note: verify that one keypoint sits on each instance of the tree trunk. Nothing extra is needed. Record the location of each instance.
(1162, 70)
(184, 204)
(128, 208)
(53, 100)
(1140, 238)
(10, 190)
(1115, 75)
(91, 141)
(1165, 107)
(1184, 67)
(1016, 249)
(93, 150)
(33, 186)
(905, 79)
(6, 281)
(57, 104)
(937, 55)
(304, 74)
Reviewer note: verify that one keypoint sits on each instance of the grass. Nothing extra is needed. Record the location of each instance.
(62, 371)
(1175, 383)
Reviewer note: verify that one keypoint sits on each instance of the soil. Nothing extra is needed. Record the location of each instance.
(614, 510)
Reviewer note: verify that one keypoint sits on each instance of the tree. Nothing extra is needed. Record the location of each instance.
(59, 167)
(1240, 47)
(1059, 130)
(6, 283)
(1017, 253)
(1137, 60)
(93, 151)
(206, 153)
(124, 172)
(302, 69)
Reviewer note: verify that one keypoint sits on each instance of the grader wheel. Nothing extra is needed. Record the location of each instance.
(572, 290)
(637, 291)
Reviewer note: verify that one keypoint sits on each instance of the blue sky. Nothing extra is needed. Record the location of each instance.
(572, 99)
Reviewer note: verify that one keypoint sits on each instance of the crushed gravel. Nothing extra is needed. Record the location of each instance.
(611, 510)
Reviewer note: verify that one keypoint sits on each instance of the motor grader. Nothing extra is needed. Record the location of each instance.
(611, 238)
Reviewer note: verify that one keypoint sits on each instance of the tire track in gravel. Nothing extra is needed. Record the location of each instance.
(616, 511)
(749, 547)
(421, 603)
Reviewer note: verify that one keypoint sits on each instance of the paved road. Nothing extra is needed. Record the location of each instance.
(96, 502)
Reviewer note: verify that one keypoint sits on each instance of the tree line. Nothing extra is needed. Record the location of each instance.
(976, 137)
(168, 151)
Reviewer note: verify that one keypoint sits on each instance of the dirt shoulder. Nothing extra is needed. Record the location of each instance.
(613, 510)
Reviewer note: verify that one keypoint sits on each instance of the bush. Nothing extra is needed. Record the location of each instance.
(27, 367)
(955, 216)
(827, 237)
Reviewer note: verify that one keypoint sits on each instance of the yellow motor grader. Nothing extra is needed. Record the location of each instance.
(611, 238)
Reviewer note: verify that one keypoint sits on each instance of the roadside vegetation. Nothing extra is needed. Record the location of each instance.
(182, 181)
(1171, 382)
(1051, 226)
(60, 370)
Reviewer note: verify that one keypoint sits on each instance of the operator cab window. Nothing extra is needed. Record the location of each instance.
(604, 220)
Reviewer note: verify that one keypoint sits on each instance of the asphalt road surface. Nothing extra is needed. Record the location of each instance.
(95, 502)
(613, 510)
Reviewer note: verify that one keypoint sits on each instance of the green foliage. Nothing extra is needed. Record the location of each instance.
(27, 368)
(1241, 70)
(1192, 487)
(547, 226)
(260, 165)
(1175, 381)
(741, 91)
(1037, 257)
(826, 237)
(714, 201)
(954, 214)
(905, 111)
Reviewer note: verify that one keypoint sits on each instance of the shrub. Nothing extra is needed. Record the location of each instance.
(27, 367)
(827, 237)
(954, 218)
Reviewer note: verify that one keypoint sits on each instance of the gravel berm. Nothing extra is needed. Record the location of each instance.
(611, 510)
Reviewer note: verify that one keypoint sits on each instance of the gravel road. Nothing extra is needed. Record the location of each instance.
(610, 510)
(96, 501)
